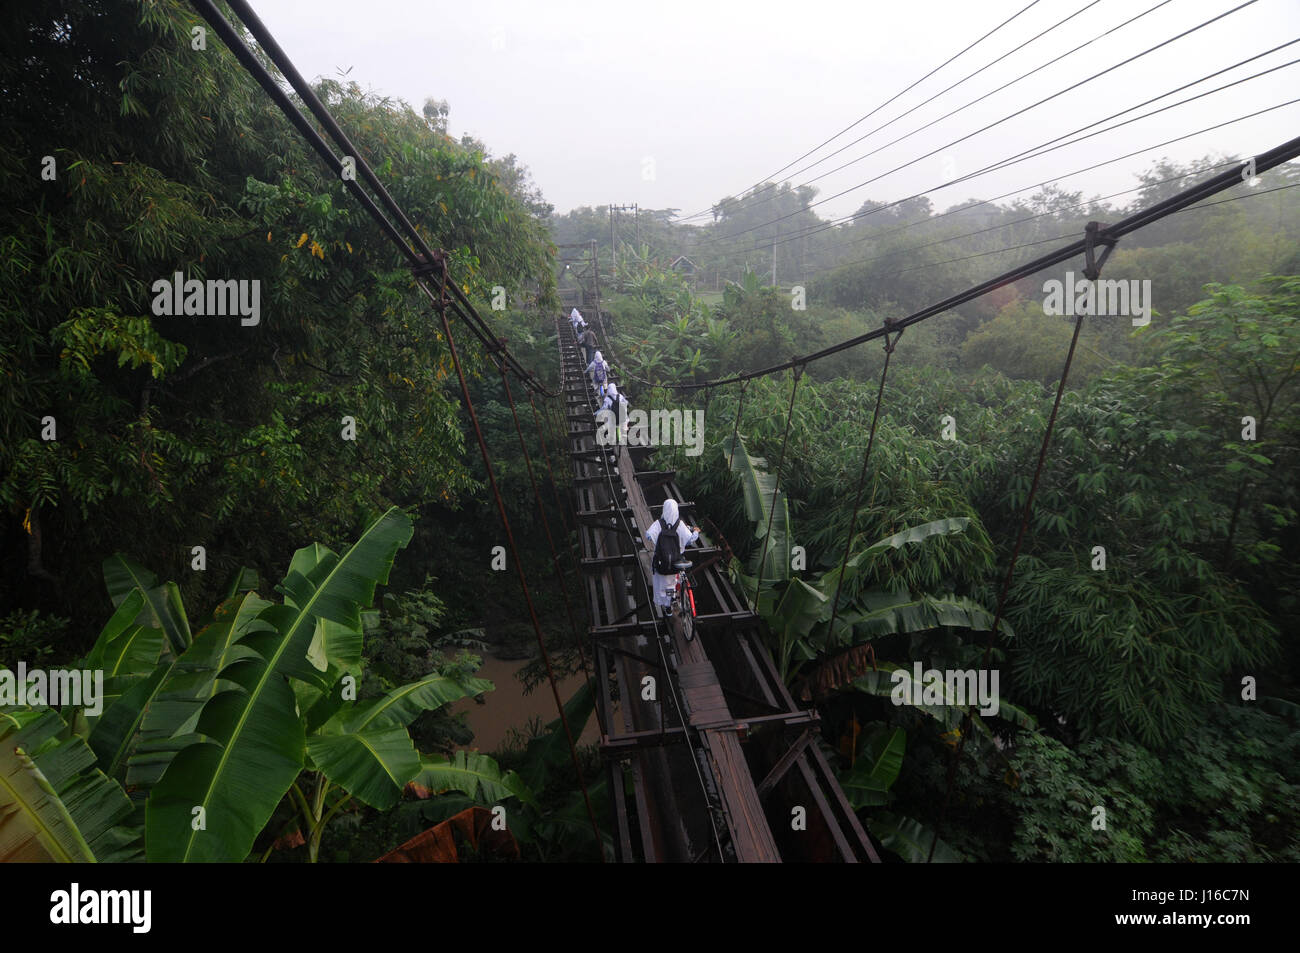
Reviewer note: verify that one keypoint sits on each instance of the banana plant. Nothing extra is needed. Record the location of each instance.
(220, 790)
(771, 522)
(211, 732)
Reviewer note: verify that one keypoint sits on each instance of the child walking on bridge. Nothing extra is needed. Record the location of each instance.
(678, 537)
(599, 371)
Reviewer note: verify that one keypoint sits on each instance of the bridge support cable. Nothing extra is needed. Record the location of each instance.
(560, 579)
(1096, 235)
(550, 472)
(419, 256)
(857, 495)
(442, 307)
(735, 426)
(780, 463)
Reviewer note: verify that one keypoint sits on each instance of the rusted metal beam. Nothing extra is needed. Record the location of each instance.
(784, 763)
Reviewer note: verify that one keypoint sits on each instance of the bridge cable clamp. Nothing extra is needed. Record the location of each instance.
(1093, 235)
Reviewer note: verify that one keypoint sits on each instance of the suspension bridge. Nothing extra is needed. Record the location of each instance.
(707, 756)
(722, 764)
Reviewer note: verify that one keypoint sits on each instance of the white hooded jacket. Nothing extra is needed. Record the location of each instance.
(685, 536)
(611, 395)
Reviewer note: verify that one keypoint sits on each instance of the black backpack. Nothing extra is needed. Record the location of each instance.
(668, 550)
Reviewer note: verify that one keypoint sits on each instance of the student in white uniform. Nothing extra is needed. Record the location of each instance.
(616, 404)
(599, 371)
(669, 521)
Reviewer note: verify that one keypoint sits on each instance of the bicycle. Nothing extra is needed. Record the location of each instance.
(685, 607)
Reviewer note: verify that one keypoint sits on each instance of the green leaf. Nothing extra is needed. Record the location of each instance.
(54, 804)
(879, 613)
(552, 749)
(167, 719)
(909, 839)
(372, 765)
(760, 489)
(124, 647)
(367, 751)
(163, 607)
(867, 784)
(474, 774)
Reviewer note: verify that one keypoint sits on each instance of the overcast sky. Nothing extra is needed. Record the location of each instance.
(675, 104)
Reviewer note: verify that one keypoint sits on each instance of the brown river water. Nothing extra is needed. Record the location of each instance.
(508, 707)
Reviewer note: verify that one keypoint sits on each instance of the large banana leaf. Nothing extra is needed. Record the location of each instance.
(474, 774)
(909, 839)
(335, 651)
(949, 712)
(54, 804)
(797, 613)
(883, 682)
(799, 609)
(867, 784)
(166, 717)
(163, 606)
(127, 654)
(913, 534)
(254, 744)
(366, 749)
(551, 750)
(759, 488)
(373, 765)
(880, 613)
(125, 647)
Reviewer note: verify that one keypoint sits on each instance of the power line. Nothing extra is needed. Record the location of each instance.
(1030, 153)
(1108, 234)
(884, 104)
(750, 204)
(1040, 149)
(966, 208)
(984, 128)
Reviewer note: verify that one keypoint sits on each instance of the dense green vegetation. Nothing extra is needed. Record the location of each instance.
(269, 681)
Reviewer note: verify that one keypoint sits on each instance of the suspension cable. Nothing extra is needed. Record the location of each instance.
(1011, 568)
(560, 578)
(1061, 141)
(442, 307)
(546, 455)
(776, 490)
(407, 237)
(857, 496)
(740, 408)
(1178, 202)
(897, 96)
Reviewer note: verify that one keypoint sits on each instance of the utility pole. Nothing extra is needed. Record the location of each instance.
(613, 237)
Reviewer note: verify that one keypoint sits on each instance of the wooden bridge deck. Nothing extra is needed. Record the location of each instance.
(719, 757)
